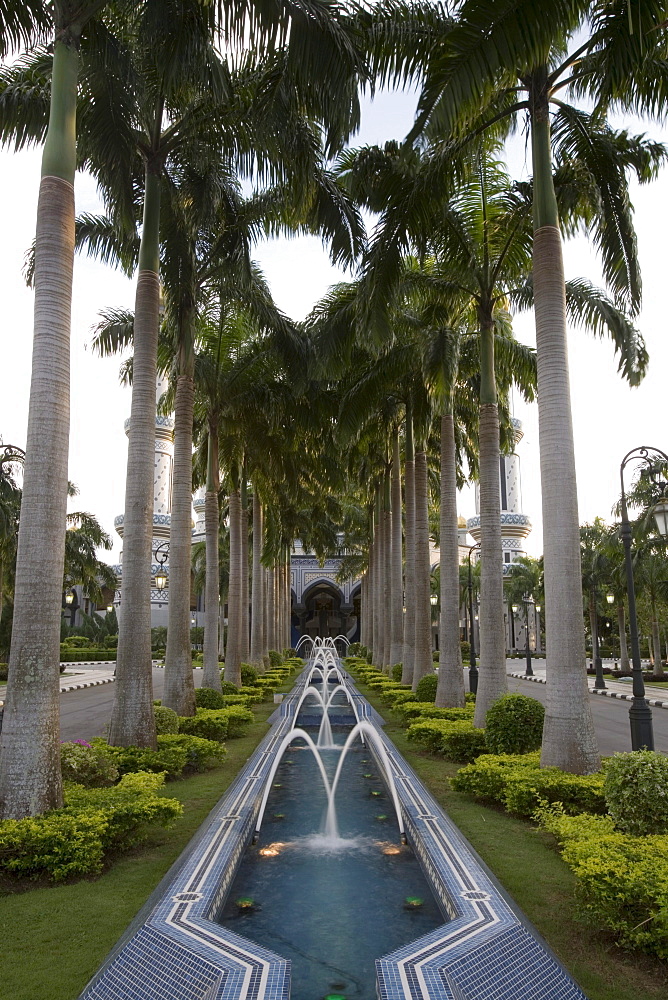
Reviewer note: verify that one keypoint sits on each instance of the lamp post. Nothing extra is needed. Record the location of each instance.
(640, 714)
(514, 608)
(610, 598)
(72, 604)
(473, 669)
(599, 683)
(161, 556)
(528, 603)
(538, 642)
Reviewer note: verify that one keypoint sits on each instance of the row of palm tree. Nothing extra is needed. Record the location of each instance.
(141, 96)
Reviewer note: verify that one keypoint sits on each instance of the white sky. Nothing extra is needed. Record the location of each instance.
(609, 418)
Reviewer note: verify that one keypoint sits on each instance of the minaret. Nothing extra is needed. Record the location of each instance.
(162, 506)
(515, 526)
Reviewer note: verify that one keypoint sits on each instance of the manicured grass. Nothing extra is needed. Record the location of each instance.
(55, 937)
(528, 865)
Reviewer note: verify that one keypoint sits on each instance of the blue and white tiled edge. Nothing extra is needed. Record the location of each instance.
(175, 951)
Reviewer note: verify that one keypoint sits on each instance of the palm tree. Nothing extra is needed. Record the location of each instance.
(500, 60)
(30, 780)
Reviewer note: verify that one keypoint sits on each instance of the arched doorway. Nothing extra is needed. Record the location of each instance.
(320, 613)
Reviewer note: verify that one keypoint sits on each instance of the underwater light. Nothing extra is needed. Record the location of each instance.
(376, 794)
(367, 775)
(272, 851)
(413, 902)
(244, 903)
(391, 849)
(277, 784)
(381, 816)
(279, 816)
(335, 996)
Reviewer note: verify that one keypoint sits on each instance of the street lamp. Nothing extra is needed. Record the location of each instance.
(640, 714)
(610, 598)
(599, 683)
(72, 604)
(514, 608)
(161, 555)
(528, 603)
(537, 627)
(473, 669)
(110, 608)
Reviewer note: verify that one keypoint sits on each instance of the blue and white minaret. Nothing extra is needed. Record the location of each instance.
(162, 507)
(515, 525)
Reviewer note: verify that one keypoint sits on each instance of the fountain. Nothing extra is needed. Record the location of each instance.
(223, 924)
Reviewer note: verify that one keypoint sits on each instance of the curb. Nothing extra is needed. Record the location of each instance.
(87, 684)
(606, 692)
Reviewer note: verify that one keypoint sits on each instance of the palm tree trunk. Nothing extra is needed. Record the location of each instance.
(245, 624)
(450, 691)
(179, 691)
(492, 683)
(221, 626)
(423, 663)
(397, 582)
(211, 674)
(408, 659)
(30, 778)
(257, 610)
(593, 625)
(232, 655)
(569, 741)
(378, 582)
(364, 585)
(132, 720)
(271, 611)
(288, 599)
(623, 648)
(387, 570)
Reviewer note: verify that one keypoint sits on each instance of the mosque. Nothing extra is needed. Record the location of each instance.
(321, 605)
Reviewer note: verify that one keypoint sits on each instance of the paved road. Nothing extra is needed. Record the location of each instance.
(86, 713)
(611, 718)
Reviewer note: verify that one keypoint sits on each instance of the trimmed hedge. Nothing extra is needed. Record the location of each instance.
(636, 792)
(621, 880)
(522, 786)
(166, 720)
(426, 688)
(456, 740)
(208, 698)
(84, 655)
(92, 766)
(411, 711)
(514, 724)
(73, 841)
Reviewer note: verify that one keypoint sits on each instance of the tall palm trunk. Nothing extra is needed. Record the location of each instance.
(271, 608)
(363, 624)
(256, 647)
(288, 599)
(409, 601)
(569, 741)
(221, 626)
(245, 605)
(623, 648)
(450, 690)
(593, 623)
(492, 683)
(179, 692)
(397, 581)
(233, 652)
(132, 720)
(378, 582)
(30, 778)
(387, 570)
(211, 674)
(423, 663)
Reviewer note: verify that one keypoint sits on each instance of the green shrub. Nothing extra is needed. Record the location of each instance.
(238, 720)
(249, 674)
(4, 667)
(167, 759)
(636, 792)
(396, 671)
(621, 880)
(72, 841)
(465, 647)
(514, 724)
(208, 698)
(457, 739)
(469, 697)
(411, 711)
(92, 766)
(207, 723)
(521, 785)
(389, 691)
(403, 697)
(435, 656)
(129, 807)
(166, 720)
(227, 687)
(426, 688)
(275, 658)
(78, 642)
(202, 754)
(251, 695)
(84, 655)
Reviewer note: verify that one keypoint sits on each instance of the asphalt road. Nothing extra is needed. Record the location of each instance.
(611, 718)
(86, 713)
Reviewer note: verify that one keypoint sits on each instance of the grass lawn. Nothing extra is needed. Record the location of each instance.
(55, 937)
